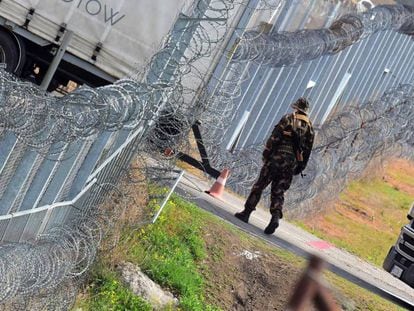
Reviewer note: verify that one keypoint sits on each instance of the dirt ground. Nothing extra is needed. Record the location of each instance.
(247, 276)
(244, 276)
(240, 275)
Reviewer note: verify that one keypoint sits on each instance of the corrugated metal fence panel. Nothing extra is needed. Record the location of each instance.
(57, 178)
(37, 193)
(18, 168)
(31, 179)
(34, 222)
(56, 217)
(15, 229)
(352, 76)
(3, 228)
(263, 88)
(11, 163)
(28, 180)
(44, 177)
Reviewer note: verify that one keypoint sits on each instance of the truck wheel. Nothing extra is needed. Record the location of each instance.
(10, 52)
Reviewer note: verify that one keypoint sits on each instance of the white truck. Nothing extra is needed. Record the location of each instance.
(109, 39)
(400, 259)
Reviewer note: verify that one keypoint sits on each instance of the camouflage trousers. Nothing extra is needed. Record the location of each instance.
(279, 172)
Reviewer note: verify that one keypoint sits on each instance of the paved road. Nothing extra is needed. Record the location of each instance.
(301, 243)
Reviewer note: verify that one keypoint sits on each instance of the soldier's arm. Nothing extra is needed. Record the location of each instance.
(309, 145)
(267, 149)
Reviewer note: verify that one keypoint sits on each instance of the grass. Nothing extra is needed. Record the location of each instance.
(377, 191)
(170, 252)
(107, 293)
(402, 177)
(367, 219)
(173, 253)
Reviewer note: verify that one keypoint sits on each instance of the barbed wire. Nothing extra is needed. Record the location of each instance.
(40, 120)
(347, 143)
(344, 147)
(45, 273)
(32, 273)
(277, 49)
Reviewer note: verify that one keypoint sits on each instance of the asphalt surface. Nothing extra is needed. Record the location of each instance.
(300, 242)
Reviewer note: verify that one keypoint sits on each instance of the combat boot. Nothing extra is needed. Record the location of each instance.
(274, 222)
(244, 215)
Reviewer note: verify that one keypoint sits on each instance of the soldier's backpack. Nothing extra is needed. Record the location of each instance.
(300, 127)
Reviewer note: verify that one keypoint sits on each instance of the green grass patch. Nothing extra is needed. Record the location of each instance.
(171, 252)
(367, 219)
(402, 177)
(107, 293)
(365, 242)
(377, 191)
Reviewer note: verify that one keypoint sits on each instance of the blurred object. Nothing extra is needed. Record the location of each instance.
(312, 288)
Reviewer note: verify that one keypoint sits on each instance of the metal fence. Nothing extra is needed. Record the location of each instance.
(45, 174)
(60, 160)
(358, 77)
(44, 188)
(40, 193)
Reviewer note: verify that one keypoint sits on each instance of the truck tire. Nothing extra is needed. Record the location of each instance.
(10, 52)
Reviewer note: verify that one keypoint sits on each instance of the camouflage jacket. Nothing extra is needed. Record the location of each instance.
(293, 135)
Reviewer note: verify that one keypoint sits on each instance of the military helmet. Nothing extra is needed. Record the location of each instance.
(302, 104)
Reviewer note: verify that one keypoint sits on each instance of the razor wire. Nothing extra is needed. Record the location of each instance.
(45, 273)
(41, 120)
(331, 168)
(349, 141)
(38, 119)
(277, 49)
(32, 273)
(344, 147)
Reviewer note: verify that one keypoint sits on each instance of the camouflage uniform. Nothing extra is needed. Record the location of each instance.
(282, 159)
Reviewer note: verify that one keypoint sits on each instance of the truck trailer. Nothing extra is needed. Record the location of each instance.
(98, 41)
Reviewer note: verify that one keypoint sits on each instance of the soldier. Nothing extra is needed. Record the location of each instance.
(286, 154)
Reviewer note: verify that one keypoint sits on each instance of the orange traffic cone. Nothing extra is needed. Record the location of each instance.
(218, 187)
